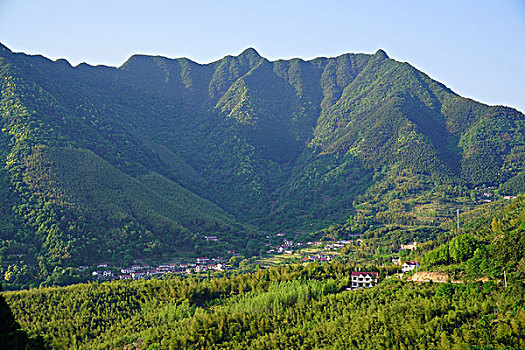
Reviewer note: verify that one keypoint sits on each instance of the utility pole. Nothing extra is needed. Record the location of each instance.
(458, 219)
(505, 275)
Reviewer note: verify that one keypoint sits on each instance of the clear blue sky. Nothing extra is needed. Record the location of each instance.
(477, 48)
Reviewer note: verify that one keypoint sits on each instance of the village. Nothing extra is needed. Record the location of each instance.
(104, 271)
(279, 249)
(312, 251)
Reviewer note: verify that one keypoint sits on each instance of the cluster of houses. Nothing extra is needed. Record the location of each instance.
(488, 195)
(103, 275)
(337, 245)
(318, 257)
(99, 274)
(145, 271)
(484, 198)
(287, 246)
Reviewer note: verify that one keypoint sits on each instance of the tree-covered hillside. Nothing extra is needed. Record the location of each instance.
(306, 306)
(291, 307)
(142, 161)
(488, 245)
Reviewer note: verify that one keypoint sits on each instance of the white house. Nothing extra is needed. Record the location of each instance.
(409, 266)
(364, 279)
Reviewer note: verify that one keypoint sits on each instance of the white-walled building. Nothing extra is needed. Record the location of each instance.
(364, 279)
(409, 266)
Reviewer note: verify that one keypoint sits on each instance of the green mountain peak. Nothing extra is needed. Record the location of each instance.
(251, 56)
(380, 53)
(250, 52)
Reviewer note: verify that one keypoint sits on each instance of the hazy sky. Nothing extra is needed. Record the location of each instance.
(477, 48)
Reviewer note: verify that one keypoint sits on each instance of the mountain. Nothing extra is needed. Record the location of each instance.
(144, 160)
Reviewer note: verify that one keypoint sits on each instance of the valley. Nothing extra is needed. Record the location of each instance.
(250, 203)
(143, 160)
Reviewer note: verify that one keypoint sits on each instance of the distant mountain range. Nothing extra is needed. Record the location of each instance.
(144, 160)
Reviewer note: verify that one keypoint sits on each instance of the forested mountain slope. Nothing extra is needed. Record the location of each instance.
(489, 245)
(145, 159)
(291, 307)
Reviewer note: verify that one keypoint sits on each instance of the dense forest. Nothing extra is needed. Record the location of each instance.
(281, 308)
(142, 161)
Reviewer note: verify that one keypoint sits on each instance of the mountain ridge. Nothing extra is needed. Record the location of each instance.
(269, 146)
